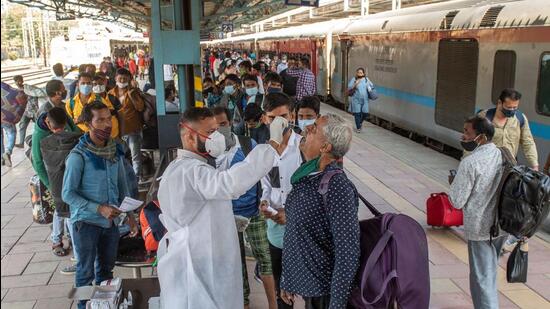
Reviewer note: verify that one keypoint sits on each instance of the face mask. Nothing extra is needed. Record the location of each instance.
(121, 85)
(304, 123)
(509, 113)
(251, 91)
(102, 134)
(85, 89)
(470, 145)
(274, 90)
(215, 144)
(229, 89)
(99, 89)
(229, 138)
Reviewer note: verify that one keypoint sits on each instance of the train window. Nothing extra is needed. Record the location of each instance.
(543, 89)
(456, 82)
(504, 72)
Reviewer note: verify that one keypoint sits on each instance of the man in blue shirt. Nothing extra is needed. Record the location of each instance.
(94, 185)
(247, 206)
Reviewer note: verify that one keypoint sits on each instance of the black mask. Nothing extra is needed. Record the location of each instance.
(470, 145)
(509, 113)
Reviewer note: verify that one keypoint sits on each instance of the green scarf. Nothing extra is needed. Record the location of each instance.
(305, 169)
(108, 152)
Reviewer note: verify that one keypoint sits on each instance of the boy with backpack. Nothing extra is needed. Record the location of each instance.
(246, 206)
(54, 149)
(475, 190)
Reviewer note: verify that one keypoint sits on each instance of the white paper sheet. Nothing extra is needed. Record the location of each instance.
(129, 204)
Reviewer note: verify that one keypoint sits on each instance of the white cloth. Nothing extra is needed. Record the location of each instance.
(281, 67)
(260, 85)
(199, 257)
(288, 163)
(172, 106)
(475, 189)
(168, 72)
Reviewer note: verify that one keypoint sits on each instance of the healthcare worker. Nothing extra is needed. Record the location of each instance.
(199, 258)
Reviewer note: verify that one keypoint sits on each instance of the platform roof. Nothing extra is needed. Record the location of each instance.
(246, 15)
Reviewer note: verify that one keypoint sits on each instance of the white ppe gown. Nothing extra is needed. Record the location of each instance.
(199, 257)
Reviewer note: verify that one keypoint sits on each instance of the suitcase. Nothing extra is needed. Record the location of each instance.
(440, 211)
(41, 201)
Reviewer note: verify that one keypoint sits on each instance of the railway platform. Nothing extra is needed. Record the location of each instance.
(394, 173)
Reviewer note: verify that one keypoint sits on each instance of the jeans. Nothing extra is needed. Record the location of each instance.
(97, 248)
(10, 138)
(320, 302)
(23, 124)
(59, 225)
(483, 259)
(277, 266)
(359, 118)
(133, 140)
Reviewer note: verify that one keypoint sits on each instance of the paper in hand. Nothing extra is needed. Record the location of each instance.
(129, 204)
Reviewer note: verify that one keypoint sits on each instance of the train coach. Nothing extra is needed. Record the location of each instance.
(433, 65)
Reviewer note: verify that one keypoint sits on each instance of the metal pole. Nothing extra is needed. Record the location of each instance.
(42, 39)
(25, 37)
(365, 7)
(30, 24)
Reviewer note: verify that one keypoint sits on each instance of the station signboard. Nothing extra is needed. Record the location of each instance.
(60, 15)
(314, 3)
(227, 27)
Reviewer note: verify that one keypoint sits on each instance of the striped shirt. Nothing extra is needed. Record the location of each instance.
(306, 82)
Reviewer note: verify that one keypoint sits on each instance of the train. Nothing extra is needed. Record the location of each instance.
(74, 51)
(432, 65)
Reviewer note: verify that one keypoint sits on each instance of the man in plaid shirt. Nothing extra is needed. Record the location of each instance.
(306, 80)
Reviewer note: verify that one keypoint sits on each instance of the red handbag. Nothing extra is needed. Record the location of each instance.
(440, 211)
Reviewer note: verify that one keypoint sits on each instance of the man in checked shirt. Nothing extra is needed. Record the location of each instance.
(306, 80)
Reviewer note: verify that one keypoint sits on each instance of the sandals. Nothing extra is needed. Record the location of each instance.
(58, 250)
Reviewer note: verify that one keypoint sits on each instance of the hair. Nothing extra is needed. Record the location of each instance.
(17, 77)
(94, 68)
(87, 112)
(293, 58)
(57, 117)
(252, 112)
(362, 69)
(123, 72)
(219, 109)
(194, 114)
(53, 86)
(251, 78)
(258, 65)
(82, 68)
(227, 54)
(246, 64)
(234, 78)
(311, 102)
(99, 77)
(207, 80)
(482, 125)
(305, 61)
(168, 91)
(86, 75)
(509, 93)
(271, 77)
(338, 133)
(58, 69)
(275, 100)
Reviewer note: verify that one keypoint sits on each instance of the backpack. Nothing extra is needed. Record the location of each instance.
(55, 149)
(152, 229)
(394, 265)
(523, 199)
(490, 114)
(150, 110)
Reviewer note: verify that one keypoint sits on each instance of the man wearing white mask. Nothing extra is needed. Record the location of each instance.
(199, 261)
(132, 106)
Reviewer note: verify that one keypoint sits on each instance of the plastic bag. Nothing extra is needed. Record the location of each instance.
(42, 202)
(516, 268)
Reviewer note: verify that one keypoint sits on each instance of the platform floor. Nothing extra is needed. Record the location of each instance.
(392, 172)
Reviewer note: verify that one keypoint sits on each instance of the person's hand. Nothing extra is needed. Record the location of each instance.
(134, 83)
(108, 211)
(280, 217)
(263, 209)
(287, 297)
(536, 168)
(133, 225)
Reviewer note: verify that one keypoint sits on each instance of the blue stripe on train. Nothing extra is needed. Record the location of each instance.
(539, 130)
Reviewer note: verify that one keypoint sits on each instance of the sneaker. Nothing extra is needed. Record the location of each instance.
(358, 130)
(257, 274)
(69, 270)
(19, 145)
(7, 159)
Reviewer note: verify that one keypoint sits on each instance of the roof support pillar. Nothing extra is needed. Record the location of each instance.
(365, 7)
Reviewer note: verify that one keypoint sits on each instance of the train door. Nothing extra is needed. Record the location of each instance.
(321, 71)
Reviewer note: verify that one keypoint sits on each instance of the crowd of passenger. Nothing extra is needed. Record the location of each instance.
(253, 161)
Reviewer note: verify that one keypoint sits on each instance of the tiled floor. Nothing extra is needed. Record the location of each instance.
(392, 172)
